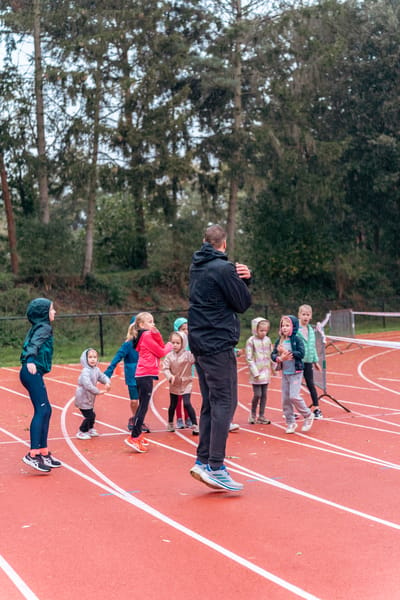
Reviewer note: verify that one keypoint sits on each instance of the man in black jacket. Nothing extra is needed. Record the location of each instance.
(217, 291)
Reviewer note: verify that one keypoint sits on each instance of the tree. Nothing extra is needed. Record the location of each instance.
(12, 238)
(40, 126)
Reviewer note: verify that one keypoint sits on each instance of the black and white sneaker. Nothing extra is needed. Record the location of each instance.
(36, 462)
(318, 414)
(50, 461)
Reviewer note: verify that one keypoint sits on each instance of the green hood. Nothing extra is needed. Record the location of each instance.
(38, 311)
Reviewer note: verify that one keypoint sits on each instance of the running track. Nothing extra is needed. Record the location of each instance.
(319, 516)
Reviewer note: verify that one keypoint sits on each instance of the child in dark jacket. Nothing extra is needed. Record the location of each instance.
(288, 353)
(36, 358)
(87, 391)
(149, 343)
(130, 356)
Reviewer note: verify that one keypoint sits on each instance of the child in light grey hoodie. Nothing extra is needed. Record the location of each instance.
(87, 391)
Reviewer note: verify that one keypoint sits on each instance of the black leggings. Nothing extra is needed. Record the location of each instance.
(145, 389)
(309, 379)
(186, 404)
(89, 420)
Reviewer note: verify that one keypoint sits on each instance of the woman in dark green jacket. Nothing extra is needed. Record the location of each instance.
(36, 357)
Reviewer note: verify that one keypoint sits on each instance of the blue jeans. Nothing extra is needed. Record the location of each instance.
(39, 428)
(218, 386)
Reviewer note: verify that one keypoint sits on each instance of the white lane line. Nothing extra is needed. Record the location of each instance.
(360, 372)
(124, 495)
(331, 449)
(17, 580)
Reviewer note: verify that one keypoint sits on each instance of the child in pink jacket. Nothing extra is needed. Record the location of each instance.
(178, 370)
(147, 340)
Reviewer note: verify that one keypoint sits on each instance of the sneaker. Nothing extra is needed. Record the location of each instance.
(308, 423)
(251, 419)
(36, 462)
(170, 427)
(136, 444)
(180, 424)
(234, 427)
(93, 432)
(263, 421)
(220, 479)
(188, 423)
(130, 423)
(197, 469)
(83, 435)
(50, 461)
(144, 441)
(291, 428)
(145, 428)
(195, 430)
(318, 414)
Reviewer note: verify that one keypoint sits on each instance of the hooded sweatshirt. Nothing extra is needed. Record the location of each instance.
(87, 390)
(179, 364)
(216, 294)
(38, 344)
(296, 343)
(258, 355)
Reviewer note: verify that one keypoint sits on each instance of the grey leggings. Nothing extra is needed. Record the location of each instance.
(259, 396)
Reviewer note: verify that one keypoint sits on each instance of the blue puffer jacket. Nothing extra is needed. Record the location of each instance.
(216, 294)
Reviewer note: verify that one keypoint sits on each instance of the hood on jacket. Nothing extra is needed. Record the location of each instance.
(255, 322)
(184, 341)
(179, 322)
(294, 321)
(83, 359)
(38, 311)
(206, 253)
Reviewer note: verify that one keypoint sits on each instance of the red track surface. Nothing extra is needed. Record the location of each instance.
(319, 516)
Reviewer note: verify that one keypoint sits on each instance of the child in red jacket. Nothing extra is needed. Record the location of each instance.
(147, 340)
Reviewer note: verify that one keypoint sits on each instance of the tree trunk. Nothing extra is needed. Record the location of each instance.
(92, 183)
(41, 140)
(236, 131)
(12, 238)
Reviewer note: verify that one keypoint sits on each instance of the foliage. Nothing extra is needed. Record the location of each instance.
(161, 115)
(55, 255)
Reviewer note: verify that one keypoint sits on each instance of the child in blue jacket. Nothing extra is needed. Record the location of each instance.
(130, 356)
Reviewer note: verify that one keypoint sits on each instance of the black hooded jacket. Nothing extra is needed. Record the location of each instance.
(216, 294)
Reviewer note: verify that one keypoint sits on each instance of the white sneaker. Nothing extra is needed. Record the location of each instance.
(234, 427)
(308, 423)
(82, 435)
(291, 428)
(220, 479)
(93, 432)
